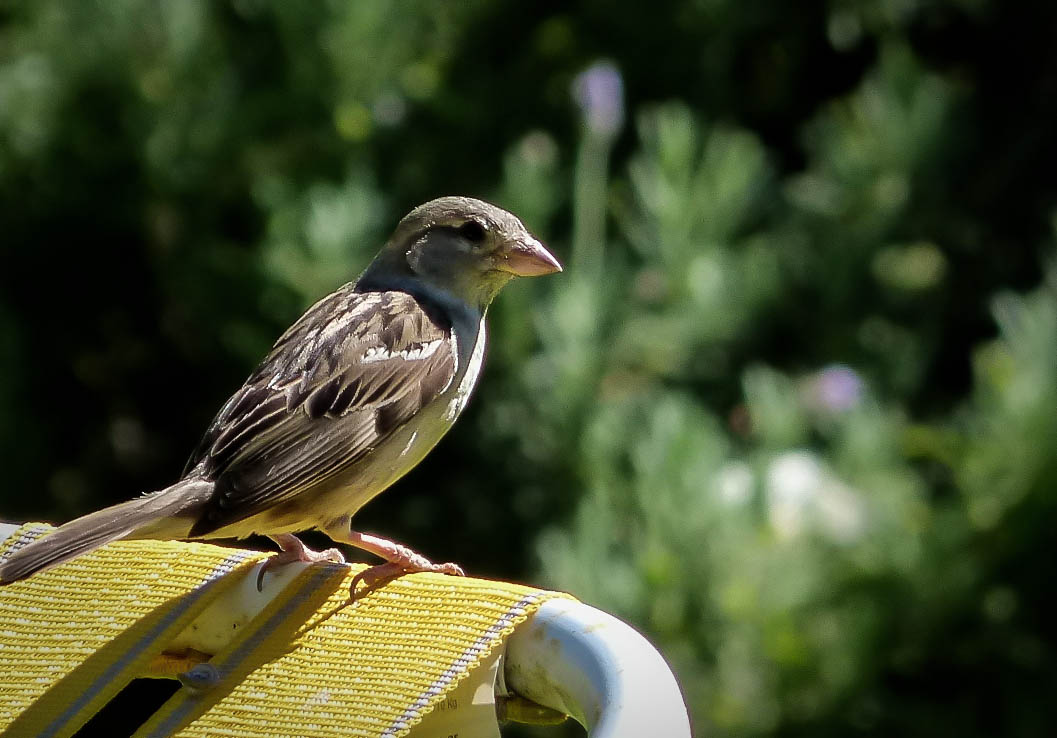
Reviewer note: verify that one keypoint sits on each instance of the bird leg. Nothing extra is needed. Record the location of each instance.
(399, 559)
(291, 549)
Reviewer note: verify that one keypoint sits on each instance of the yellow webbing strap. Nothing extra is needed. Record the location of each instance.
(311, 663)
(71, 638)
(263, 640)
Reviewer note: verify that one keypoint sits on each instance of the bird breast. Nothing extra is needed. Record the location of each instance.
(409, 444)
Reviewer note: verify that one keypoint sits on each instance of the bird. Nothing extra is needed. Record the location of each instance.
(350, 398)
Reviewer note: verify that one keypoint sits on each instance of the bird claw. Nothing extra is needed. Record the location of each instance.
(449, 568)
(293, 550)
(412, 563)
(399, 559)
(375, 576)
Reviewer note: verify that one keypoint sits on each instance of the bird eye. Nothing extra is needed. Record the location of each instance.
(472, 231)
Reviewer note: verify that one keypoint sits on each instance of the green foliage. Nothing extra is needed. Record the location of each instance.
(789, 410)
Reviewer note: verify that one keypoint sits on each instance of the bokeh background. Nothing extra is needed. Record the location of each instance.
(791, 408)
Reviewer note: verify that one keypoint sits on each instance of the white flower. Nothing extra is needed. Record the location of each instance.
(803, 494)
(734, 483)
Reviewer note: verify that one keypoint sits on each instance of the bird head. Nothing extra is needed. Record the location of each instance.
(462, 247)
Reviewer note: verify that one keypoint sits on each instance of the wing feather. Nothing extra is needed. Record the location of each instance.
(340, 381)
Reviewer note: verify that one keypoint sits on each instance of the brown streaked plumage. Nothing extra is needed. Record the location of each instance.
(349, 399)
(331, 390)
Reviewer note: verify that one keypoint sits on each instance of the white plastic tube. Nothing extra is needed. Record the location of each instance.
(586, 663)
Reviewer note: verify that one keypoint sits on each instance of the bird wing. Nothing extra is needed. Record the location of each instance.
(352, 370)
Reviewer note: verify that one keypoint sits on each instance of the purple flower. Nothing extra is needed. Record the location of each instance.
(837, 388)
(599, 91)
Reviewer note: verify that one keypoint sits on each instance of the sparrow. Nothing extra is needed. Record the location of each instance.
(349, 399)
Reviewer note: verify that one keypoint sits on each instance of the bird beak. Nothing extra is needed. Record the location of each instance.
(526, 258)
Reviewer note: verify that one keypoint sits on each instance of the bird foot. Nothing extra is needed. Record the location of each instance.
(375, 576)
(400, 560)
(291, 550)
(410, 562)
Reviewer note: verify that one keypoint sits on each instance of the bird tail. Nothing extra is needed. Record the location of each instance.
(144, 517)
